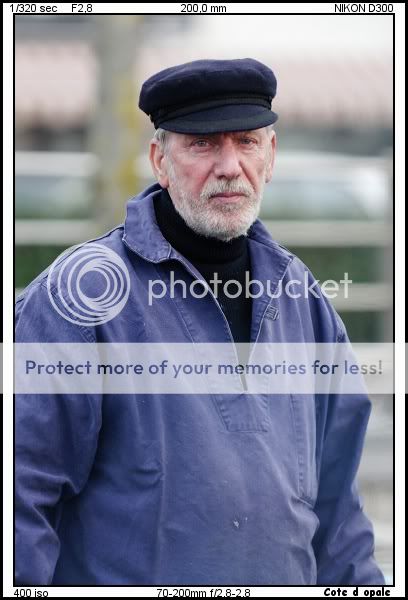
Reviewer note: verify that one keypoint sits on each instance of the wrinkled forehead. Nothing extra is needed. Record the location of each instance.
(182, 138)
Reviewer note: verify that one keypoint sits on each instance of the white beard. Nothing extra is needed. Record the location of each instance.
(224, 222)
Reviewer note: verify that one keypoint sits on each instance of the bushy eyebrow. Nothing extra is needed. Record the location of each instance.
(250, 133)
(191, 136)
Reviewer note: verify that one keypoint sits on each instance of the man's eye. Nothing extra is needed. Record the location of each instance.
(246, 141)
(200, 143)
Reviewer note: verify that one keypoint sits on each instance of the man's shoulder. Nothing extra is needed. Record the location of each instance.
(72, 295)
(83, 256)
(261, 234)
(298, 277)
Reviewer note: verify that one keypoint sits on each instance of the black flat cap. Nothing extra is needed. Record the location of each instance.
(210, 96)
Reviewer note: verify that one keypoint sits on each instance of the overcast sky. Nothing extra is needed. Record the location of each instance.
(270, 38)
(293, 34)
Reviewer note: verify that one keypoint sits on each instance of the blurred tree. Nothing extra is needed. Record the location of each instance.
(115, 129)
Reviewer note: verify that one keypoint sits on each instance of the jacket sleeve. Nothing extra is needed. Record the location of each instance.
(55, 444)
(344, 542)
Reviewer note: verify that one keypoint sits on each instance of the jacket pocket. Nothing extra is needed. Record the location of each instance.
(303, 414)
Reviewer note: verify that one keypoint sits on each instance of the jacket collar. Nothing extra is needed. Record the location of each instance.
(141, 231)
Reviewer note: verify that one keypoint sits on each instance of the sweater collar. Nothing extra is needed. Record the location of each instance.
(190, 244)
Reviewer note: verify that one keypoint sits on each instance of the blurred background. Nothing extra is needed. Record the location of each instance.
(81, 152)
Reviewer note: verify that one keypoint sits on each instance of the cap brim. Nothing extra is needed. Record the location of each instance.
(234, 117)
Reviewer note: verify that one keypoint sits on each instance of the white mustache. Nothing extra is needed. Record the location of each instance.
(225, 187)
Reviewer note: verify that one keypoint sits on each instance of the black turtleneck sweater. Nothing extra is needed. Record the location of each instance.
(229, 260)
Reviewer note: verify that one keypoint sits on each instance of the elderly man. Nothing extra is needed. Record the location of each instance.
(192, 488)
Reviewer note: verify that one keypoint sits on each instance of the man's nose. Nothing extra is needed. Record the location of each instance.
(227, 160)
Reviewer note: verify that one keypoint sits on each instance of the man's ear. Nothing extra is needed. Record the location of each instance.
(271, 158)
(158, 162)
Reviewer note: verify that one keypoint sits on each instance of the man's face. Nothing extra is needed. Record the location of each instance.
(216, 181)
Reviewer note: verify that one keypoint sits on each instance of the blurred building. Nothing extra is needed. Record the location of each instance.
(330, 200)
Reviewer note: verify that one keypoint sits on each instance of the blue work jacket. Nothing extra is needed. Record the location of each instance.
(227, 489)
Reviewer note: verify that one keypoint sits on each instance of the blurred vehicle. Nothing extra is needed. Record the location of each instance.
(318, 186)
